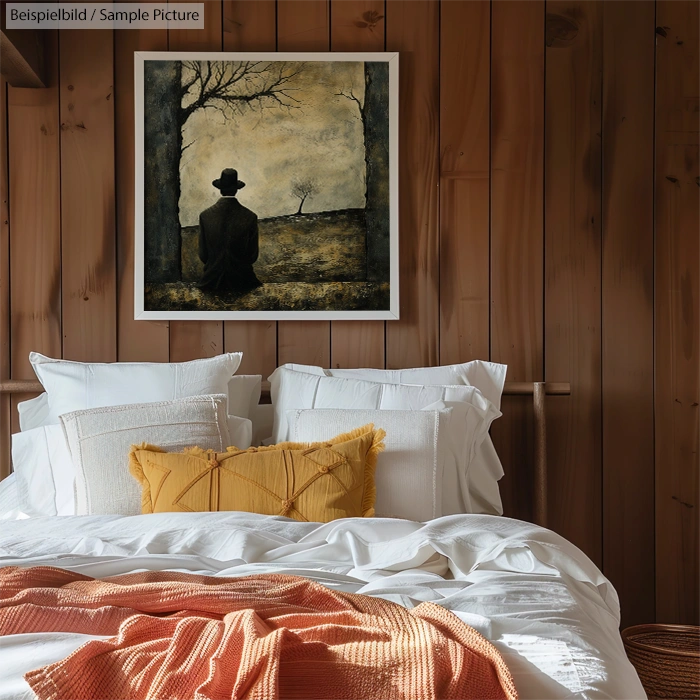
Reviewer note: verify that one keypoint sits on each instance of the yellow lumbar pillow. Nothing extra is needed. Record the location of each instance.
(315, 482)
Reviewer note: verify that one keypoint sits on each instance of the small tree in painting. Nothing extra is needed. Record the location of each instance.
(303, 190)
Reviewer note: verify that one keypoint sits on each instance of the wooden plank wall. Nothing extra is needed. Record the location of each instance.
(549, 219)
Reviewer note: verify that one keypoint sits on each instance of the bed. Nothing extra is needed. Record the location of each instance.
(546, 607)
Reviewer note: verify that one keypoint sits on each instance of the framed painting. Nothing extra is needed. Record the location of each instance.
(266, 186)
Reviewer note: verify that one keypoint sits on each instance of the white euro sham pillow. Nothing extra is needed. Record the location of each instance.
(488, 377)
(99, 440)
(297, 390)
(75, 386)
(44, 471)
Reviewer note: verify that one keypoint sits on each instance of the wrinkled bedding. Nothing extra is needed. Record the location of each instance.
(546, 607)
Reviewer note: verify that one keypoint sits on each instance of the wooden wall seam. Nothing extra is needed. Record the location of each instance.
(303, 25)
(413, 29)
(136, 340)
(465, 159)
(87, 175)
(677, 312)
(517, 182)
(249, 26)
(5, 338)
(193, 339)
(572, 255)
(35, 238)
(627, 293)
(357, 343)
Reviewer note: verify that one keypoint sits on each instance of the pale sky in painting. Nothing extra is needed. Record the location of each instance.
(323, 140)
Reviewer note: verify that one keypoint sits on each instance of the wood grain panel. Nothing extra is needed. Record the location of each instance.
(303, 25)
(357, 25)
(190, 340)
(137, 341)
(251, 26)
(413, 29)
(465, 70)
(35, 237)
(677, 313)
(88, 195)
(5, 344)
(627, 301)
(517, 125)
(572, 152)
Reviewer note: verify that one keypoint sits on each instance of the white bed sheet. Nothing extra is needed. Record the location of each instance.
(544, 604)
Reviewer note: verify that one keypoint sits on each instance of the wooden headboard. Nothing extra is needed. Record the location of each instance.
(538, 391)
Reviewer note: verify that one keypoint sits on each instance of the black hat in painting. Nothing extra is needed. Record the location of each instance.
(228, 182)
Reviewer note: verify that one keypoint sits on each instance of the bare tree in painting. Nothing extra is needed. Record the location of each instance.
(303, 190)
(374, 115)
(178, 89)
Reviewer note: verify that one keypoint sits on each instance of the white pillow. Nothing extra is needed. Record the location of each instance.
(244, 395)
(487, 377)
(44, 470)
(76, 386)
(33, 413)
(263, 418)
(99, 440)
(416, 470)
(9, 499)
(298, 390)
(291, 389)
(243, 398)
(240, 432)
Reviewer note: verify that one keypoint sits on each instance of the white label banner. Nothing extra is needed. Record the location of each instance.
(105, 15)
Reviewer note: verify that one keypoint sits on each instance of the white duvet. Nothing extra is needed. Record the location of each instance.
(545, 605)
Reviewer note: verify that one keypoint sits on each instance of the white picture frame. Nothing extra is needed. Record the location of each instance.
(146, 304)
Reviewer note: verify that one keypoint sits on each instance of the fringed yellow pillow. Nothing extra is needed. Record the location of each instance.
(316, 482)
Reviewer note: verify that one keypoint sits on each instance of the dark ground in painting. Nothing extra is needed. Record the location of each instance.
(319, 247)
(307, 262)
(272, 296)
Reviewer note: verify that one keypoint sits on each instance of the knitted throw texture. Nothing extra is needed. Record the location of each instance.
(184, 636)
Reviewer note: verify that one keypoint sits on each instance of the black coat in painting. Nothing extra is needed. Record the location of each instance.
(228, 246)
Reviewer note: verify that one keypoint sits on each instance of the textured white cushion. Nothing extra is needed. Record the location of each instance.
(76, 386)
(44, 470)
(410, 472)
(99, 440)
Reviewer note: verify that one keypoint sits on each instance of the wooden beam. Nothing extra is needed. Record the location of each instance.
(22, 57)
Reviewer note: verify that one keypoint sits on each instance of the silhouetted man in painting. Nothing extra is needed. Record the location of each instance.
(228, 239)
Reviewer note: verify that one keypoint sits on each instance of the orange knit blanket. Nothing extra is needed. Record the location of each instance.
(268, 636)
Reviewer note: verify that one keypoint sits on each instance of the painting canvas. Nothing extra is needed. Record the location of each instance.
(266, 186)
